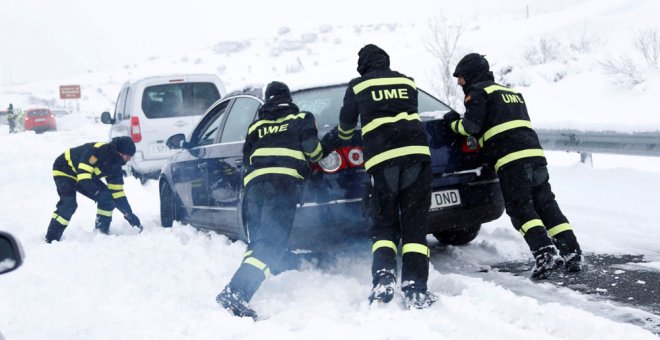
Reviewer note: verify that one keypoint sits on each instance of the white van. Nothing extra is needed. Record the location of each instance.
(151, 109)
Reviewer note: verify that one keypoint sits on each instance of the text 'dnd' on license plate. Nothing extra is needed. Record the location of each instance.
(446, 198)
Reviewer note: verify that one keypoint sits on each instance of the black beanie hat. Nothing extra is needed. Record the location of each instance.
(472, 66)
(124, 145)
(278, 91)
(372, 57)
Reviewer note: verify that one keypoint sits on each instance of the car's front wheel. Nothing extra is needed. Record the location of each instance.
(167, 205)
(458, 237)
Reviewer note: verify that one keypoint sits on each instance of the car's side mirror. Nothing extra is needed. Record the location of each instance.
(11, 253)
(177, 141)
(106, 119)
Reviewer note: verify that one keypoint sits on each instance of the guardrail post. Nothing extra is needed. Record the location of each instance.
(585, 157)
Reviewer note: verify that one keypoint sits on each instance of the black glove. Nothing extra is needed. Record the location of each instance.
(133, 220)
(330, 141)
(451, 116)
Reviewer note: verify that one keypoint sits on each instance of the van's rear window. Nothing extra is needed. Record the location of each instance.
(38, 113)
(178, 100)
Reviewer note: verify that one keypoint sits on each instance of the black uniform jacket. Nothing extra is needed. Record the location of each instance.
(498, 117)
(280, 143)
(90, 162)
(392, 132)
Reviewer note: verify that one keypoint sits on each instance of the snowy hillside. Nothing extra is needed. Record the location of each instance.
(161, 284)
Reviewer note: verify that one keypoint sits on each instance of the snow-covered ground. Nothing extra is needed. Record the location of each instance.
(161, 284)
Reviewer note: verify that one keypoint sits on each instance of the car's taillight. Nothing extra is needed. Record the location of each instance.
(470, 144)
(136, 135)
(342, 158)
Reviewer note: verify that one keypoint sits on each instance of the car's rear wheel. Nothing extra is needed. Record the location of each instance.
(458, 237)
(167, 206)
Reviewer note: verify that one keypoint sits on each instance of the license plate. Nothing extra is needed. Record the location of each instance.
(40, 120)
(446, 198)
(159, 148)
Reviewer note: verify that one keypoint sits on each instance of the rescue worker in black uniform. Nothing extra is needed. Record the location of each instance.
(498, 117)
(11, 119)
(398, 162)
(276, 155)
(80, 169)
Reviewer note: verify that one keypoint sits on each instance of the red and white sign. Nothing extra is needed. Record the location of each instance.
(69, 91)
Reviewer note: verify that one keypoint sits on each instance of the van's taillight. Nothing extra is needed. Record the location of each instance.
(136, 134)
(341, 158)
(470, 144)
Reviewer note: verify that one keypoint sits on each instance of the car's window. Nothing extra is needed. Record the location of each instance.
(208, 128)
(178, 100)
(242, 113)
(326, 102)
(120, 107)
(38, 113)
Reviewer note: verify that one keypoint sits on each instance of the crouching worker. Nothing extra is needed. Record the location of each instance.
(276, 155)
(80, 169)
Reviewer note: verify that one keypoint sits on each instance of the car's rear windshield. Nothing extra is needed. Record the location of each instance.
(37, 113)
(178, 100)
(326, 102)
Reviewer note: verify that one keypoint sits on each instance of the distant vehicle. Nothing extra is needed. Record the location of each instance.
(151, 109)
(201, 184)
(60, 112)
(39, 120)
(11, 253)
(3, 117)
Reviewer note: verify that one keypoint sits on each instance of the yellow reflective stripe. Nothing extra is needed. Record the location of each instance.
(84, 176)
(398, 152)
(99, 144)
(104, 212)
(86, 167)
(284, 152)
(345, 137)
(97, 171)
(61, 220)
(383, 244)
(559, 229)
(118, 194)
(457, 126)
(248, 253)
(115, 186)
(383, 81)
(505, 127)
(416, 248)
(67, 156)
(316, 154)
(273, 170)
(346, 132)
(514, 156)
(376, 123)
(493, 88)
(255, 262)
(280, 120)
(60, 173)
(529, 225)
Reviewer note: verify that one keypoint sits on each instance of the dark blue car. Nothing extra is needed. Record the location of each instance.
(201, 184)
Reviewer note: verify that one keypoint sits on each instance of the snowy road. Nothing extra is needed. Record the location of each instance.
(162, 283)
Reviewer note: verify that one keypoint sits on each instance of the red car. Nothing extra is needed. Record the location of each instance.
(39, 120)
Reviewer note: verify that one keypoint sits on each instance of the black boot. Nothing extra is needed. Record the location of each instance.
(419, 298)
(102, 224)
(55, 231)
(383, 289)
(547, 261)
(569, 249)
(234, 301)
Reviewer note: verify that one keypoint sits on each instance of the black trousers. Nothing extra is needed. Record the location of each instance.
(270, 208)
(399, 204)
(529, 200)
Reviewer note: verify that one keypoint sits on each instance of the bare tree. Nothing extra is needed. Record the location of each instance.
(623, 70)
(648, 45)
(442, 44)
(542, 51)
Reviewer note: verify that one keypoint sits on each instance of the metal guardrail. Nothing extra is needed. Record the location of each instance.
(587, 142)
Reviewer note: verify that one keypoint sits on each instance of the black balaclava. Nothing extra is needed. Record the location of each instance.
(278, 101)
(372, 57)
(473, 68)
